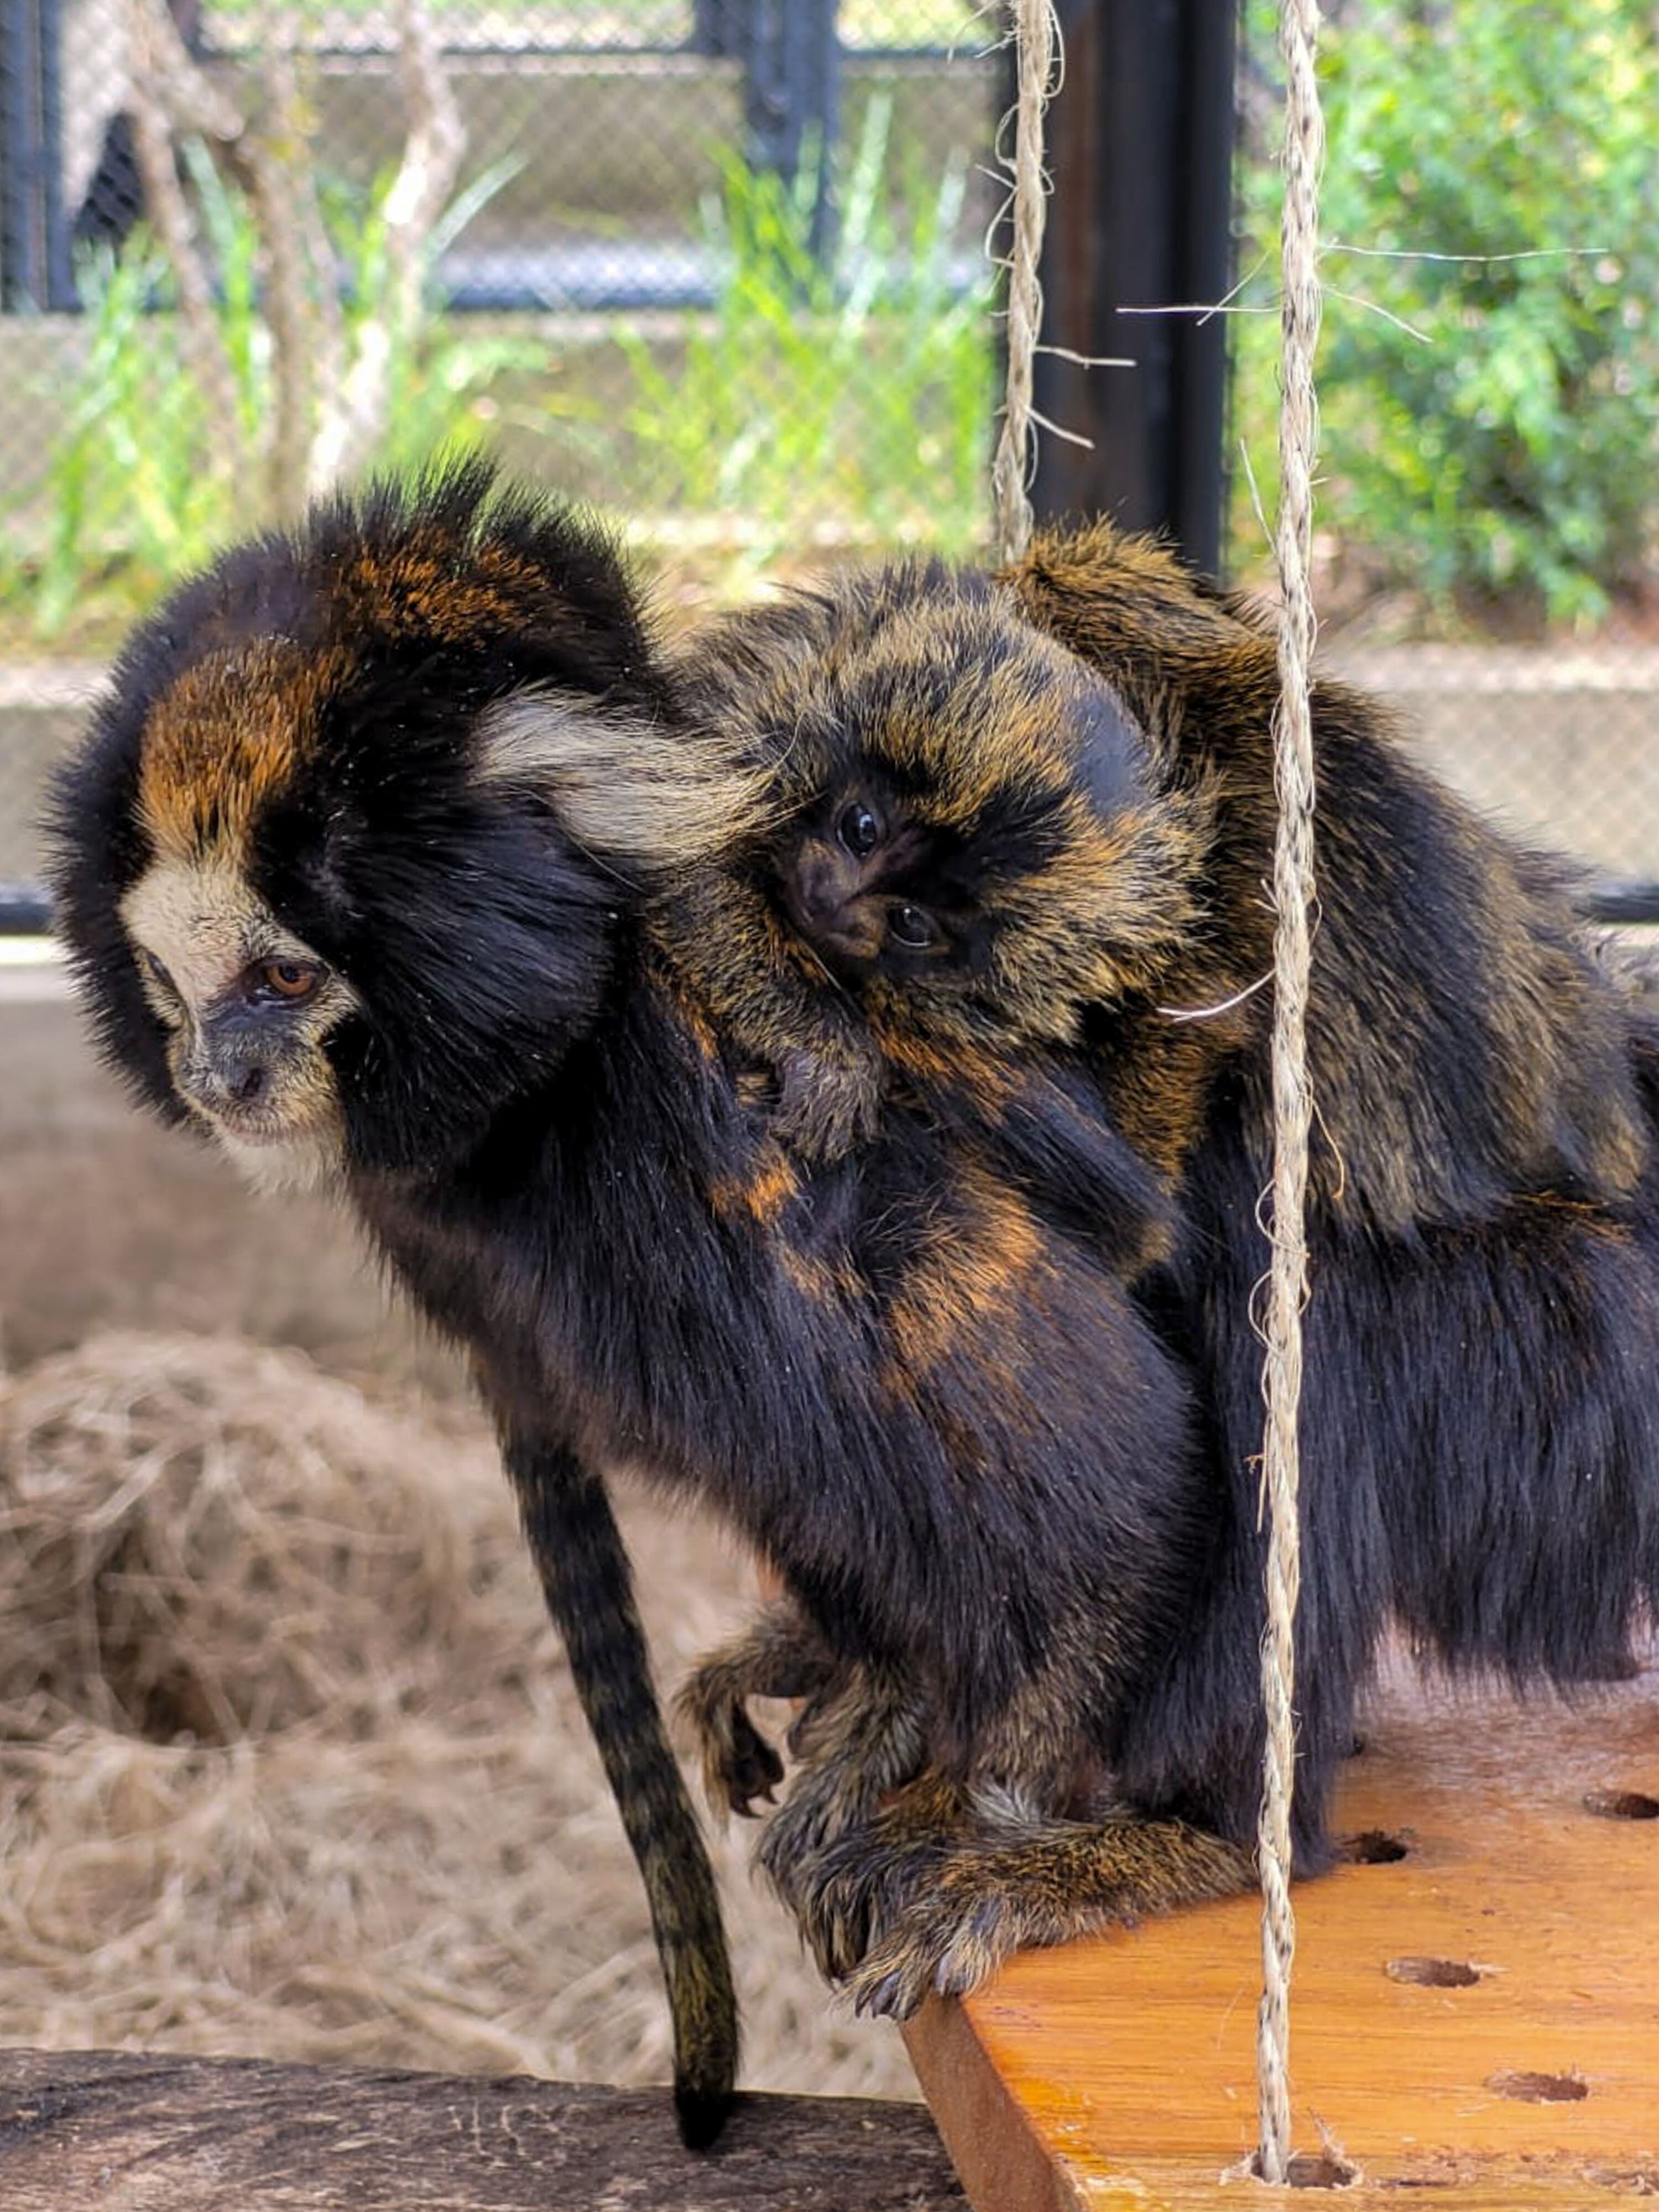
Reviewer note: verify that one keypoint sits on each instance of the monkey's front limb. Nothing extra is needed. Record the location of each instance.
(862, 1735)
(779, 1655)
(862, 1732)
(947, 1887)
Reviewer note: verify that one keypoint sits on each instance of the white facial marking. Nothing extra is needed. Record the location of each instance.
(207, 927)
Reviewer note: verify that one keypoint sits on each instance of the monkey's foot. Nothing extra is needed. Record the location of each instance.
(848, 1891)
(857, 1747)
(985, 1900)
(827, 1106)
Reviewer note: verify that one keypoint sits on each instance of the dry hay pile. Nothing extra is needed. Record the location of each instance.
(289, 1765)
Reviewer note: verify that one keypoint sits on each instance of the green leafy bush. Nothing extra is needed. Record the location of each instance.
(1490, 424)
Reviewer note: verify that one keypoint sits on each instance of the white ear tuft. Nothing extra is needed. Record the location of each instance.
(622, 785)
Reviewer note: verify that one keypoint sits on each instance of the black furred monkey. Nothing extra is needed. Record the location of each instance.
(315, 911)
(1481, 1459)
(368, 867)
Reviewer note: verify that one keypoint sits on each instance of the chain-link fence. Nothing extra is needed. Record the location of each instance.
(715, 265)
(719, 265)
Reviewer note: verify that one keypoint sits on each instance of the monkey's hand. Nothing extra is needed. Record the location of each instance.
(779, 1655)
(949, 1914)
(858, 1744)
(829, 1098)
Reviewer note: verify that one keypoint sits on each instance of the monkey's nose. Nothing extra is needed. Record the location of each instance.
(221, 1090)
(821, 892)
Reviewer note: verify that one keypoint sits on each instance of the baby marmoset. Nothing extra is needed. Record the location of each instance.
(955, 848)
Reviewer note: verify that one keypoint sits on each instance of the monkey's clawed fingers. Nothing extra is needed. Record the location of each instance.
(826, 1107)
(858, 1745)
(984, 1900)
(740, 1768)
(778, 1654)
(845, 1893)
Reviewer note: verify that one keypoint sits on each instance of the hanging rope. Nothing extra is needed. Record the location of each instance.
(1035, 34)
(1036, 48)
(1293, 892)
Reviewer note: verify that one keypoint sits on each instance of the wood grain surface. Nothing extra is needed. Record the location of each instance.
(124, 2133)
(1475, 2018)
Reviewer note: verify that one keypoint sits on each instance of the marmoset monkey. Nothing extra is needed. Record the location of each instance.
(1478, 1458)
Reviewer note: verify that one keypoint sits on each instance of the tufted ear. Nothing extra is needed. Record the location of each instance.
(96, 851)
(1175, 651)
(626, 786)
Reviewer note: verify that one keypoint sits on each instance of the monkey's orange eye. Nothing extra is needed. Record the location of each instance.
(859, 830)
(287, 978)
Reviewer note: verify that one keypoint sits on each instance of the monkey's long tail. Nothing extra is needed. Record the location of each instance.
(578, 1550)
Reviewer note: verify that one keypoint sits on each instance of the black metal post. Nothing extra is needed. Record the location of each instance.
(793, 57)
(22, 256)
(716, 28)
(1139, 143)
(34, 246)
(61, 296)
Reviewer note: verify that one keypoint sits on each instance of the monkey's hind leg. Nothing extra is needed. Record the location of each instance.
(779, 1655)
(952, 1916)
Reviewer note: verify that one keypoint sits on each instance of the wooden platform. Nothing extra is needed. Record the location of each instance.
(1475, 2022)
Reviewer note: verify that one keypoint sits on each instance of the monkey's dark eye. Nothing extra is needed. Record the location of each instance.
(914, 927)
(292, 980)
(859, 830)
(157, 973)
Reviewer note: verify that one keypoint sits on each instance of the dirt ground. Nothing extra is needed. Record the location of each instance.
(289, 1764)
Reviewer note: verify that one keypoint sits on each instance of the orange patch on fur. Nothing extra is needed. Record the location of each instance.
(978, 1272)
(231, 730)
(414, 585)
(762, 1195)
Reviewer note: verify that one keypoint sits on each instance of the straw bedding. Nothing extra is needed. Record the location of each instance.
(289, 1765)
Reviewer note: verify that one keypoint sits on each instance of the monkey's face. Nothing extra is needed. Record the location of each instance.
(340, 865)
(963, 810)
(869, 886)
(247, 1008)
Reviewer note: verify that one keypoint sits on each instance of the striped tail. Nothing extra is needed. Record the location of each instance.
(578, 1550)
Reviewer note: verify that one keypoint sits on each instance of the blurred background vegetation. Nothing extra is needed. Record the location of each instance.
(1489, 374)
(804, 361)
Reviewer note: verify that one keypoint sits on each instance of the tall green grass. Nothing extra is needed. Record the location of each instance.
(846, 395)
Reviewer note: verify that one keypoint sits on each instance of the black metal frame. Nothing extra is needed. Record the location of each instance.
(1140, 146)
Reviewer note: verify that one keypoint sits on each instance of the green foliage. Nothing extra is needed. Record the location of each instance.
(1489, 424)
(131, 494)
(850, 392)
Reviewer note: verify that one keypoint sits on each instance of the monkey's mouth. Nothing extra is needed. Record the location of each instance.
(264, 1124)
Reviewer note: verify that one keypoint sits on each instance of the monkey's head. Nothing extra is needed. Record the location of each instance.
(341, 862)
(961, 809)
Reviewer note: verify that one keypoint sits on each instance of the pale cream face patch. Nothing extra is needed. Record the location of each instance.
(206, 927)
